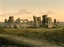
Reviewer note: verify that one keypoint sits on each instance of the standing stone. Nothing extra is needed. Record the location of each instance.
(39, 21)
(28, 23)
(5, 23)
(31, 23)
(18, 23)
(35, 21)
(44, 20)
(5, 20)
(58, 23)
(11, 22)
(49, 22)
(25, 23)
(55, 23)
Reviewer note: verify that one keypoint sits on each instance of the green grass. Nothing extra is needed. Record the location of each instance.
(12, 42)
(54, 35)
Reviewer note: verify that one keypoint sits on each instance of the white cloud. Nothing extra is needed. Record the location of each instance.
(19, 12)
(47, 12)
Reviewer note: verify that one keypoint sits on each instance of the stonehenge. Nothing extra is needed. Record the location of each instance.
(18, 23)
(45, 22)
(25, 23)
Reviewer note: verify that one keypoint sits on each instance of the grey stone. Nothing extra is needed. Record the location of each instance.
(49, 22)
(44, 20)
(37, 21)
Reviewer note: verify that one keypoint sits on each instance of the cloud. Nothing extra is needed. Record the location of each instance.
(23, 11)
(50, 12)
(26, 12)
(47, 12)
(40, 13)
(19, 12)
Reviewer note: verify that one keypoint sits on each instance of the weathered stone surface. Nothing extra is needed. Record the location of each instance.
(35, 21)
(55, 23)
(5, 23)
(39, 21)
(58, 23)
(24, 23)
(49, 22)
(5, 20)
(18, 23)
(44, 20)
(10, 22)
(31, 23)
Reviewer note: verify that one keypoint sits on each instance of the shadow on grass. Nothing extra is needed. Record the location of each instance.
(5, 41)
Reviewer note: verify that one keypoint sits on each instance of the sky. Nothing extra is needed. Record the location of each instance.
(25, 9)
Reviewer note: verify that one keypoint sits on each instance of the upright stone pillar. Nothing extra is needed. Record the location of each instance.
(11, 22)
(35, 21)
(55, 23)
(58, 23)
(39, 21)
(5, 23)
(49, 22)
(18, 23)
(44, 20)
(31, 24)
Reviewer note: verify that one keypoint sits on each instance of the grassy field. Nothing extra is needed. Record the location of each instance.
(33, 37)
